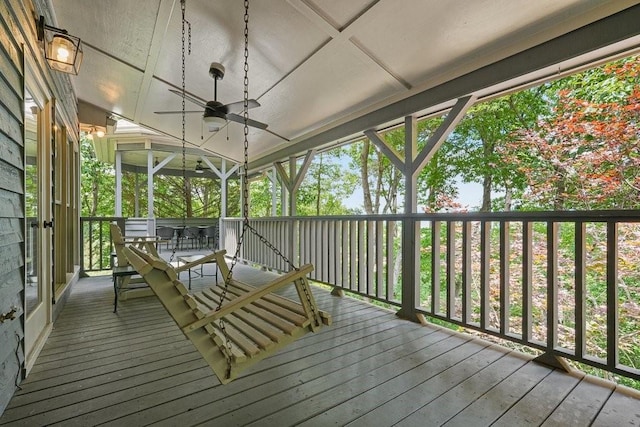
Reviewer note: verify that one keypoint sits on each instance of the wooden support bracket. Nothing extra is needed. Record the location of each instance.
(553, 361)
(413, 316)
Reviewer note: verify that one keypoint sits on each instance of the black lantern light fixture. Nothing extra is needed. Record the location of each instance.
(62, 51)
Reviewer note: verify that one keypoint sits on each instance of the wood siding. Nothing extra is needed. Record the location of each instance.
(11, 209)
(18, 46)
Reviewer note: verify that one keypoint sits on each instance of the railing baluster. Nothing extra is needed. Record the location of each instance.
(435, 267)
(391, 279)
(362, 261)
(345, 253)
(100, 246)
(527, 277)
(580, 286)
(90, 245)
(451, 269)
(552, 285)
(466, 271)
(485, 256)
(612, 294)
(331, 252)
(371, 260)
(504, 277)
(323, 251)
(379, 282)
(353, 254)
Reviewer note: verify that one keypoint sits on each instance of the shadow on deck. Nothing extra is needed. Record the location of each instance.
(369, 368)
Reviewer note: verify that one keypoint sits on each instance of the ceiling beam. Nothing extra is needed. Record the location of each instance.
(600, 34)
(165, 10)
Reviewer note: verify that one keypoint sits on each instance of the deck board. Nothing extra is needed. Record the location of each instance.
(534, 408)
(487, 408)
(619, 410)
(447, 405)
(369, 368)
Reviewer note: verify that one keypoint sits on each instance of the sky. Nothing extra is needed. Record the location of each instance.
(469, 196)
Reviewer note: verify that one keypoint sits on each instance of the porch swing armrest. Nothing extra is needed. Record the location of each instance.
(249, 297)
(218, 256)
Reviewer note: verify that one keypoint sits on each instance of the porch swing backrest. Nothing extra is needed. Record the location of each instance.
(257, 321)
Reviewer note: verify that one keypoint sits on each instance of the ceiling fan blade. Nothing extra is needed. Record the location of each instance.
(237, 107)
(177, 112)
(279, 136)
(253, 123)
(189, 97)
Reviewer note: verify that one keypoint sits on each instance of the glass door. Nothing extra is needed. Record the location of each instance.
(33, 294)
(38, 225)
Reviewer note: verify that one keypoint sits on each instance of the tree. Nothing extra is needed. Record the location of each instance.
(379, 179)
(326, 185)
(97, 183)
(475, 142)
(322, 192)
(584, 156)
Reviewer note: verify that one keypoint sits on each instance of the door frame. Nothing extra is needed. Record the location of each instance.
(38, 322)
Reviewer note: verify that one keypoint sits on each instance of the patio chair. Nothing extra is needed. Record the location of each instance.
(211, 236)
(193, 235)
(250, 324)
(166, 234)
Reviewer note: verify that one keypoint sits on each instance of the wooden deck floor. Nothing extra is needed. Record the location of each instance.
(135, 368)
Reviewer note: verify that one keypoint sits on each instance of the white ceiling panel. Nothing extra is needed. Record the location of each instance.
(337, 80)
(114, 86)
(121, 28)
(217, 35)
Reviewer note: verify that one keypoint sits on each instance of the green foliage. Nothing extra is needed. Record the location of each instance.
(327, 183)
(97, 194)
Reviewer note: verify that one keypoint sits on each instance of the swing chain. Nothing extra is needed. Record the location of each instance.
(183, 7)
(245, 192)
(269, 245)
(275, 250)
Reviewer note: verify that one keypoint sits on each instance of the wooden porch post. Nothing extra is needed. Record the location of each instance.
(118, 207)
(412, 164)
(410, 227)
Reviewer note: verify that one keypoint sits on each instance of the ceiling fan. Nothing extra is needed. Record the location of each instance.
(216, 114)
(199, 167)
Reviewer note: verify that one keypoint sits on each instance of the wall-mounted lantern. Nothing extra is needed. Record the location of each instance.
(62, 51)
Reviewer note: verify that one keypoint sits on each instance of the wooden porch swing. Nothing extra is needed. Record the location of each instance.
(233, 325)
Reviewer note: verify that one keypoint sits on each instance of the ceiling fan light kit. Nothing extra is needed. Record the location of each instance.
(214, 123)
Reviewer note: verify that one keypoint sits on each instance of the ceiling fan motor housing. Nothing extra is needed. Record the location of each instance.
(215, 109)
(216, 70)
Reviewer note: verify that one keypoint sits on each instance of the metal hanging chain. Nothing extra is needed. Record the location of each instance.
(183, 7)
(234, 261)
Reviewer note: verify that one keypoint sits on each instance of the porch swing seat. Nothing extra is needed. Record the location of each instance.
(257, 322)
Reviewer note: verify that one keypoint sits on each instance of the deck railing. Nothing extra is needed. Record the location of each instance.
(95, 235)
(566, 283)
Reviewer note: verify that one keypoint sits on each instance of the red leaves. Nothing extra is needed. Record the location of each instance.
(583, 157)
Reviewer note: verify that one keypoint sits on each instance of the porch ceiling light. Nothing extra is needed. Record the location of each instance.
(214, 120)
(93, 132)
(62, 51)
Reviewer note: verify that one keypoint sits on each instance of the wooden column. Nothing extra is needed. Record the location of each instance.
(411, 165)
(118, 207)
